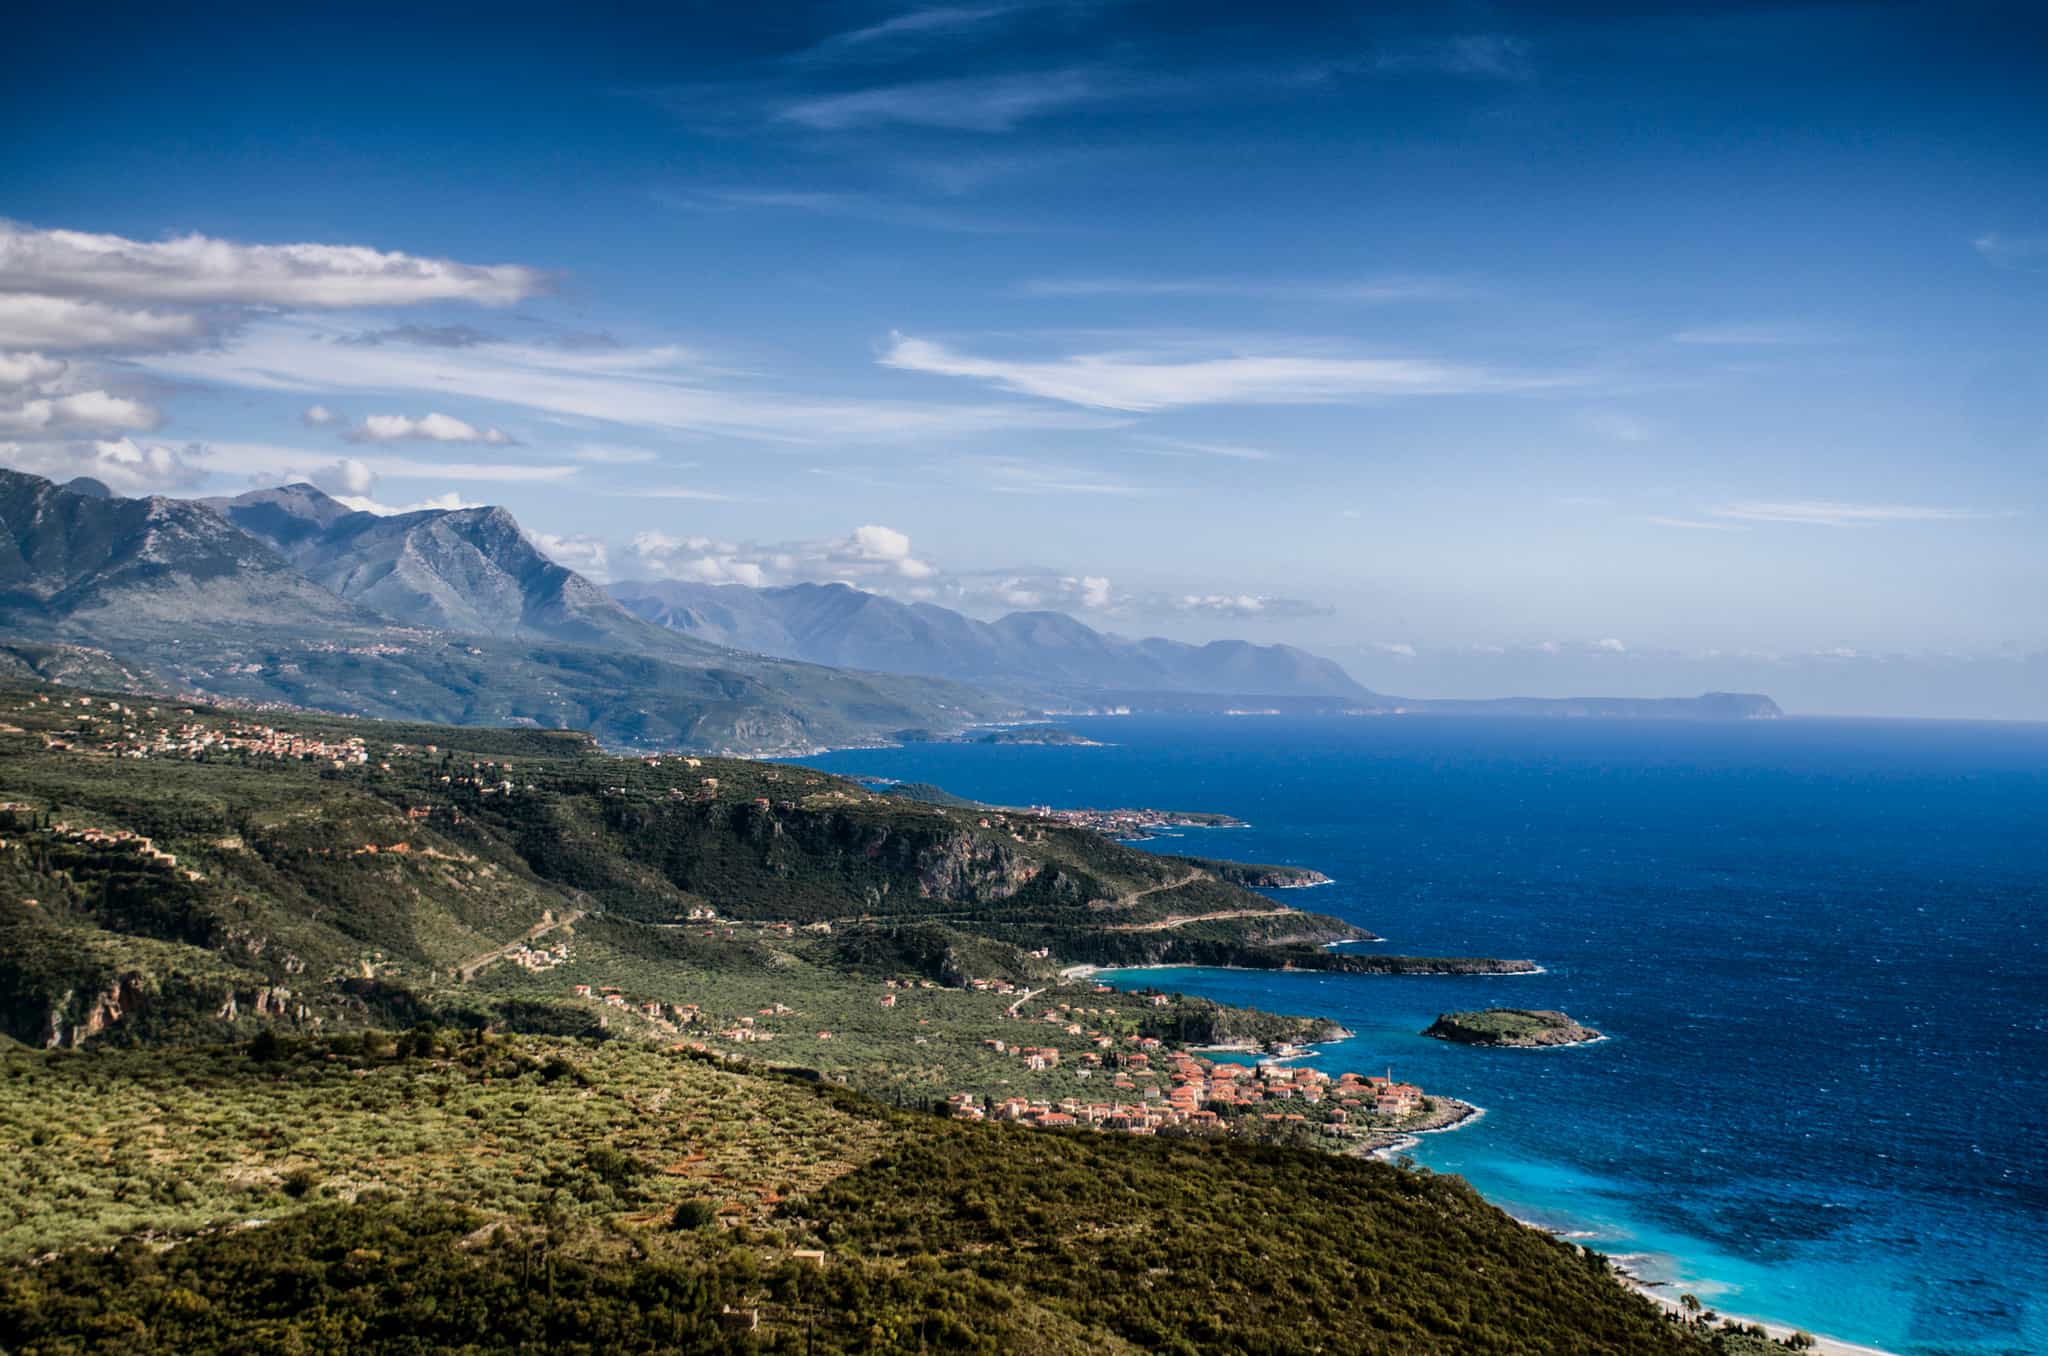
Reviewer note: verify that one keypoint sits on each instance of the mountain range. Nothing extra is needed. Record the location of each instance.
(843, 626)
(288, 596)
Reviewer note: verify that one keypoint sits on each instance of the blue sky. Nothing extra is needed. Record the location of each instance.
(1537, 348)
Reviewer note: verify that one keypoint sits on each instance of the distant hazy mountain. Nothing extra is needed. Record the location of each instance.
(843, 626)
(287, 596)
(81, 556)
(467, 570)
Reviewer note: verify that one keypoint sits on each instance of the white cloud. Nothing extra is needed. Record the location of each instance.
(585, 555)
(1141, 382)
(882, 560)
(80, 411)
(125, 466)
(198, 269)
(699, 560)
(349, 476)
(1400, 649)
(991, 591)
(1823, 513)
(31, 321)
(866, 555)
(29, 369)
(1610, 646)
(319, 416)
(433, 428)
(661, 389)
(442, 503)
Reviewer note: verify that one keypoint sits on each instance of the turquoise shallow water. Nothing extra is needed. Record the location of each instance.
(1818, 948)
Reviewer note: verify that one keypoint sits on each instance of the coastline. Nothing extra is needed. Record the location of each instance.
(1464, 1114)
(1830, 1346)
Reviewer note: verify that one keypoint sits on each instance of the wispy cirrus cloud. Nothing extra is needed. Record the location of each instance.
(1144, 381)
(994, 103)
(2002, 250)
(1830, 513)
(1756, 334)
(658, 389)
(1692, 524)
(432, 336)
(871, 207)
(1168, 447)
(910, 31)
(276, 463)
(1479, 56)
(1019, 475)
(1365, 291)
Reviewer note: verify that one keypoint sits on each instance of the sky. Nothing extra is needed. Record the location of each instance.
(1551, 349)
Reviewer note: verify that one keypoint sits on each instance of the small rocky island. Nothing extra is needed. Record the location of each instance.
(1044, 736)
(1519, 1028)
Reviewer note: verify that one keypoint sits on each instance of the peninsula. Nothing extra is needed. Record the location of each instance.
(1519, 1028)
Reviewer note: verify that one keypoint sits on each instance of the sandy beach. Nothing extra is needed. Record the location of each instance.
(1665, 1295)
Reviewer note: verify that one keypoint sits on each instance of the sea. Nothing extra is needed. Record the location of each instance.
(1819, 949)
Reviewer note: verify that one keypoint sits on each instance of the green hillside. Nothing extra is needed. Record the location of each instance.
(323, 1034)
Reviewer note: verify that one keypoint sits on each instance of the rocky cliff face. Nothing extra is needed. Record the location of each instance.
(78, 1018)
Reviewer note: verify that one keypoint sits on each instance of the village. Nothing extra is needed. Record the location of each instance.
(1150, 1086)
(22, 817)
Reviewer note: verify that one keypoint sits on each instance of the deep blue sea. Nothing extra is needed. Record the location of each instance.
(1820, 949)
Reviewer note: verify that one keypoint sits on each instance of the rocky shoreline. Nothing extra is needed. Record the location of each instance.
(1445, 1114)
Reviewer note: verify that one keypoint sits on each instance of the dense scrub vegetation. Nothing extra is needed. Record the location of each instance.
(616, 1198)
